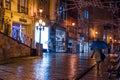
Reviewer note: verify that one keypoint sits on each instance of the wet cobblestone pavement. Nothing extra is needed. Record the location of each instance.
(51, 66)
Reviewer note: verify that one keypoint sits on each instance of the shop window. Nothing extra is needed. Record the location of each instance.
(16, 31)
(8, 4)
(23, 6)
(60, 41)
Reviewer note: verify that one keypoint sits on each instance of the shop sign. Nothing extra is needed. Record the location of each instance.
(22, 20)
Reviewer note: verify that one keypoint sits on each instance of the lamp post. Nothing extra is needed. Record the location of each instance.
(41, 25)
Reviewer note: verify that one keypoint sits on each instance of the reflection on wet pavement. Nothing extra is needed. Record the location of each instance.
(51, 66)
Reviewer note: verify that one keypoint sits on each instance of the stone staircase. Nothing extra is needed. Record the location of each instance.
(10, 48)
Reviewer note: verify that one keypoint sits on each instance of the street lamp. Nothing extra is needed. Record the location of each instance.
(96, 35)
(96, 32)
(73, 24)
(41, 25)
(40, 10)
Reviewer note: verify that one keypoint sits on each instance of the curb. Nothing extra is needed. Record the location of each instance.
(84, 73)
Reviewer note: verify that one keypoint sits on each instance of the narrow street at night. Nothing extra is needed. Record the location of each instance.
(59, 39)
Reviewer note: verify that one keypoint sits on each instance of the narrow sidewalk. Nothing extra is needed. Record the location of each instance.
(104, 74)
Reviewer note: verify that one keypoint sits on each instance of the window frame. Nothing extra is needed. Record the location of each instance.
(8, 4)
(23, 8)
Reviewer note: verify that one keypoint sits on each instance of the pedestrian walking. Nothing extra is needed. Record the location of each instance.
(49, 46)
(98, 46)
(97, 53)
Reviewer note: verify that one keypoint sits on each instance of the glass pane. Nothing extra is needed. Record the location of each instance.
(22, 2)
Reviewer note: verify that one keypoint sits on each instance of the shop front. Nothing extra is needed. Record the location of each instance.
(19, 32)
(60, 40)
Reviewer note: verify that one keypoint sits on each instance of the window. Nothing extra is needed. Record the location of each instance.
(1, 3)
(8, 4)
(23, 6)
(86, 14)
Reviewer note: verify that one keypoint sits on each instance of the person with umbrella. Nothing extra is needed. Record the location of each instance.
(97, 51)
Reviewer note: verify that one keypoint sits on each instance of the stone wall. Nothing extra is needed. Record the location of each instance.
(11, 48)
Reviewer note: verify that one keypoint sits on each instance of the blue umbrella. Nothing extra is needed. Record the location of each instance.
(99, 44)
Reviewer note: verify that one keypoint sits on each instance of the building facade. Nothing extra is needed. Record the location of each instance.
(62, 32)
(17, 20)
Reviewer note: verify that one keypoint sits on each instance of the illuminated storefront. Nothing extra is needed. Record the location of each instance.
(60, 40)
(19, 32)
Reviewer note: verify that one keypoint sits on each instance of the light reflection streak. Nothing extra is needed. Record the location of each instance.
(40, 69)
(19, 73)
(73, 64)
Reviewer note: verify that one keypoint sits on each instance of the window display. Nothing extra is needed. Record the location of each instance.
(16, 31)
(60, 41)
